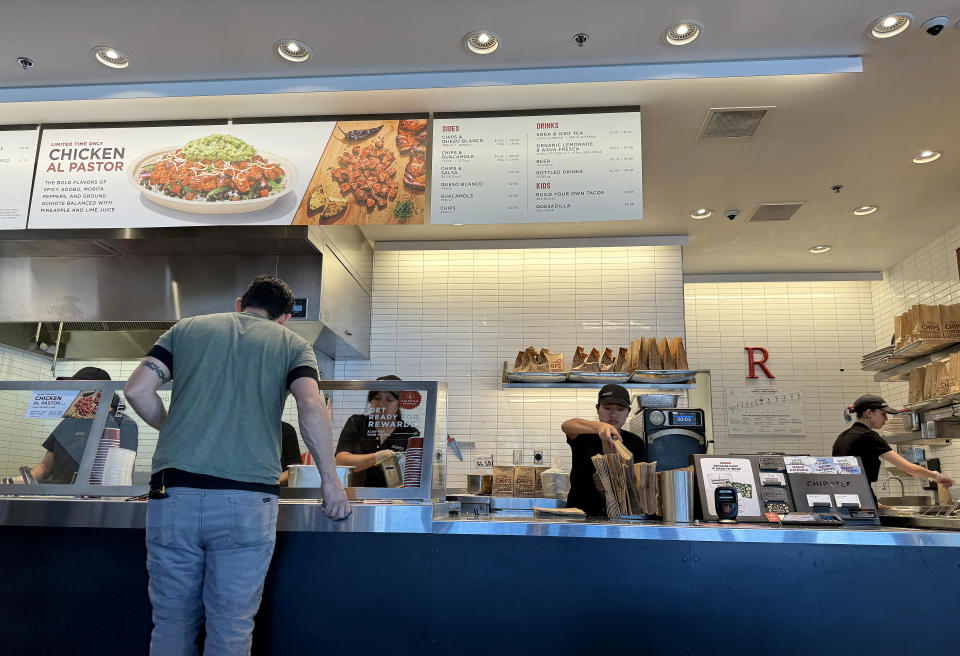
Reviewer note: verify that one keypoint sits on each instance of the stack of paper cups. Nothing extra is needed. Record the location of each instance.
(109, 440)
(412, 462)
(118, 469)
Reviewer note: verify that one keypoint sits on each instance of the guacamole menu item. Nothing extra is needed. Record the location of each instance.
(216, 168)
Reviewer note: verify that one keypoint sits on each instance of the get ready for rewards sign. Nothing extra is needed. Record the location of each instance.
(367, 171)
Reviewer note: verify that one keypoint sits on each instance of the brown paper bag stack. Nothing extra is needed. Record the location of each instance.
(525, 482)
(620, 364)
(593, 361)
(554, 360)
(579, 359)
(503, 481)
(950, 320)
(606, 360)
(929, 326)
(917, 377)
(615, 469)
(645, 474)
(679, 353)
(530, 360)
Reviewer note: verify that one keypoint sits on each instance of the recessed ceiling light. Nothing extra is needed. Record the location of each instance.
(293, 50)
(701, 213)
(926, 156)
(890, 25)
(481, 42)
(819, 249)
(680, 34)
(863, 210)
(110, 57)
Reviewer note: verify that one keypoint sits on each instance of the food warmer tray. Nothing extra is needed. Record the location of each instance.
(536, 376)
(599, 377)
(663, 376)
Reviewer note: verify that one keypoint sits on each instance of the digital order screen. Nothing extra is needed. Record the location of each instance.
(684, 419)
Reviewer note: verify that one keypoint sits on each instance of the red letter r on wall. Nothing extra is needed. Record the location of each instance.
(751, 362)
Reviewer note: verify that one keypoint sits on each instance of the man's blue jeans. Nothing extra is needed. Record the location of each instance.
(207, 556)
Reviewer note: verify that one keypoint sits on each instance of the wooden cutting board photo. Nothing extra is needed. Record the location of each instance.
(370, 149)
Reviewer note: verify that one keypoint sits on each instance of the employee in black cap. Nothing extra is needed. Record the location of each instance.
(586, 439)
(66, 443)
(863, 440)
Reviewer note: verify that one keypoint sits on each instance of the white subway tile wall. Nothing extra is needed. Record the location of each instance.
(815, 333)
(457, 315)
(929, 276)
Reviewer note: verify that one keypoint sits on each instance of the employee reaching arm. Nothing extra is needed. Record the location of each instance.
(318, 436)
(587, 439)
(141, 391)
(863, 440)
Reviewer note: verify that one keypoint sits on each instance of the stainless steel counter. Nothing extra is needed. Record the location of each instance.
(746, 533)
(294, 515)
(425, 518)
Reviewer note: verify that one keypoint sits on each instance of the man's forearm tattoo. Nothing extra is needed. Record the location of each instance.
(157, 370)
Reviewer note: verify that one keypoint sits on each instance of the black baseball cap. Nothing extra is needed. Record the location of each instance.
(873, 402)
(87, 373)
(614, 394)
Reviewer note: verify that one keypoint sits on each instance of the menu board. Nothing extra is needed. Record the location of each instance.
(369, 171)
(18, 150)
(527, 169)
(765, 412)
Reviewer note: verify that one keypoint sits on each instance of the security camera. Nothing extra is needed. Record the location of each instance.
(935, 26)
(731, 214)
(25, 62)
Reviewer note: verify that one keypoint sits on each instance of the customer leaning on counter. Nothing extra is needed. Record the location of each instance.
(369, 439)
(586, 439)
(863, 440)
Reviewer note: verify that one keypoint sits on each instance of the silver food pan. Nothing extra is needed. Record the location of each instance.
(663, 376)
(599, 377)
(536, 376)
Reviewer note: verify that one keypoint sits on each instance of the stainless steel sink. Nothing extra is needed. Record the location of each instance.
(917, 500)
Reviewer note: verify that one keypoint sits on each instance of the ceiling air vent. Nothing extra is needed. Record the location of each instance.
(732, 122)
(775, 211)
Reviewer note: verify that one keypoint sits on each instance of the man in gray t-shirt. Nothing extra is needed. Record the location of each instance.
(212, 513)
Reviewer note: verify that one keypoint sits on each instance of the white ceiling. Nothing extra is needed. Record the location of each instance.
(855, 129)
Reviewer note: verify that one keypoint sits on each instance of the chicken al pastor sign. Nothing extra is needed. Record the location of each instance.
(345, 172)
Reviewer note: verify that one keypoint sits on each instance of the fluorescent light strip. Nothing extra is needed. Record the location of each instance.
(447, 79)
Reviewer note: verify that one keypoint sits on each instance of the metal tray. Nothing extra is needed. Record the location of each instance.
(599, 377)
(536, 376)
(663, 376)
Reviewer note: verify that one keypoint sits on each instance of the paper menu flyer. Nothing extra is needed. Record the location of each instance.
(50, 404)
(822, 465)
(18, 150)
(737, 472)
(540, 168)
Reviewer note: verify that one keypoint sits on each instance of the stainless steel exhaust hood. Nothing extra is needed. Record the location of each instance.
(107, 294)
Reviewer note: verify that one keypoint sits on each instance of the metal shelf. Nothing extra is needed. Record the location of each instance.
(915, 439)
(568, 385)
(923, 353)
(934, 404)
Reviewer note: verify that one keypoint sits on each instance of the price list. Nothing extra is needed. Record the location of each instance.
(18, 151)
(522, 169)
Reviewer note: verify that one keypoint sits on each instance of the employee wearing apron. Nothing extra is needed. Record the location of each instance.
(368, 439)
(863, 440)
(586, 439)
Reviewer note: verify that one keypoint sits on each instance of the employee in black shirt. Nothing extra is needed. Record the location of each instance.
(368, 439)
(289, 451)
(66, 444)
(586, 439)
(863, 440)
